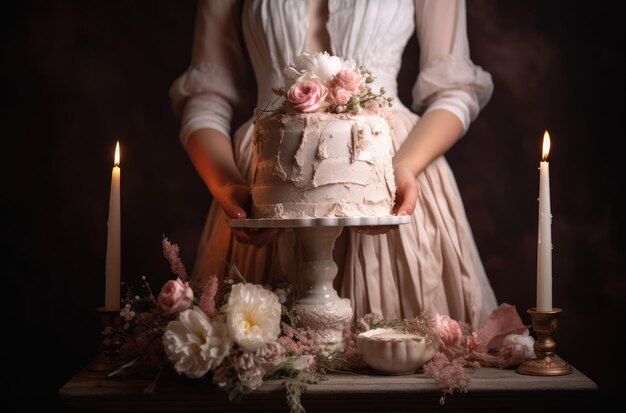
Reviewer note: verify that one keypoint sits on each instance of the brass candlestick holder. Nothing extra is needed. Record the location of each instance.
(110, 321)
(545, 363)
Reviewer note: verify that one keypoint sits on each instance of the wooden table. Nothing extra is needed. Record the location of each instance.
(490, 390)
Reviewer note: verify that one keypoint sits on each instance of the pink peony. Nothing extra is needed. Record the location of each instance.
(175, 296)
(352, 81)
(307, 95)
(448, 330)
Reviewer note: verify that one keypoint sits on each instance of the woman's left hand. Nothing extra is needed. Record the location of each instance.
(407, 191)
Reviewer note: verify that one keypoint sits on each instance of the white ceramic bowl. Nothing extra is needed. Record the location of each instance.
(394, 352)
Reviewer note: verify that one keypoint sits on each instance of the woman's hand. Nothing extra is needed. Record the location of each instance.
(431, 137)
(235, 200)
(212, 154)
(407, 191)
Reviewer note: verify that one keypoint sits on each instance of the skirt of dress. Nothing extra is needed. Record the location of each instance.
(431, 264)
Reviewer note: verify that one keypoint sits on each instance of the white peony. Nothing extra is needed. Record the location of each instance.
(196, 344)
(525, 340)
(253, 316)
(320, 65)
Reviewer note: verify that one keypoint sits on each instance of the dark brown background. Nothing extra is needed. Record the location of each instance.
(78, 75)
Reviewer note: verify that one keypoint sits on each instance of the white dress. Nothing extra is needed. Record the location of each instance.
(431, 264)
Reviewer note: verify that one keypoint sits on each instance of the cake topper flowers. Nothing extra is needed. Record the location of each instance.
(324, 83)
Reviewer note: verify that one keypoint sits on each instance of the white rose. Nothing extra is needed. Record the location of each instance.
(196, 344)
(253, 316)
(320, 65)
(525, 340)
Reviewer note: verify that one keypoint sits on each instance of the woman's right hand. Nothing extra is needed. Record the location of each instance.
(212, 154)
(235, 200)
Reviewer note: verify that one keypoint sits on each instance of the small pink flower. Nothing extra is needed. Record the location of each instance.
(175, 296)
(307, 95)
(351, 81)
(339, 95)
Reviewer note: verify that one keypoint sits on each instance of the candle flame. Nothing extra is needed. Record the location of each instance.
(546, 146)
(117, 154)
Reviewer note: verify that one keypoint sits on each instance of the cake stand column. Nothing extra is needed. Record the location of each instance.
(321, 309)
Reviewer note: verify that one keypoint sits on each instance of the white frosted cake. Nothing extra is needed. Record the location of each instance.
(322, 165)
(327, 152)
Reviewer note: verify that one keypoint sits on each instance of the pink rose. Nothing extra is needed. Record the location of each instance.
(175, 296)
(307, 95)
(448, 330)
(339, 95)
(350, 80)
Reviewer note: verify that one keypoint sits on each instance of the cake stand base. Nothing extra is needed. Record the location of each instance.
(320, 308)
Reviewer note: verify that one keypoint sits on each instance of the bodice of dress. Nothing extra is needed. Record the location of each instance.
(373, 33)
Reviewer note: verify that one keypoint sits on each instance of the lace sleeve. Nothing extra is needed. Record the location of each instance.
(448, 78)
(205, 95)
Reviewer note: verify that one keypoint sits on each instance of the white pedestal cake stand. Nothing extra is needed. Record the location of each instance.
(320, 309)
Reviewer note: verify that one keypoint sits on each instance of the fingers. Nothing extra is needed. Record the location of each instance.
(235, 200)
(233, 210)
(410, 191)
(375, 230)
(407, 191)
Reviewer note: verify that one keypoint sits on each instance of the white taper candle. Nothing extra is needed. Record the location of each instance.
(114, 240)
(544, 239)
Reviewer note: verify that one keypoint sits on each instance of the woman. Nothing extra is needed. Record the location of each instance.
(431, 264)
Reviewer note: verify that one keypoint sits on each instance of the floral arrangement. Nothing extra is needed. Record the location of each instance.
(240, 334)
(324, 83)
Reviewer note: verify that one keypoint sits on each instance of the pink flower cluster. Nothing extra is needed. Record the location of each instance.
(500, 342)
(449, 374)
(171, 251)
(311, 94)
(298, 341)
(207, 299)
(503, 341)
